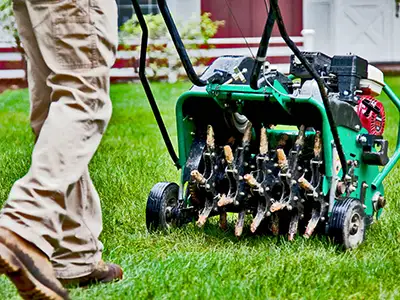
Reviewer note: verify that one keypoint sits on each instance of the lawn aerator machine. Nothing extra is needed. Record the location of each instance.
(299, 154)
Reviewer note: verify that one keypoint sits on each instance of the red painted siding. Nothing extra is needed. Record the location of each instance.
(251, 16)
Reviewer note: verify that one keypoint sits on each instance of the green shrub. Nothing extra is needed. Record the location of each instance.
(7, 20)
(162, 57)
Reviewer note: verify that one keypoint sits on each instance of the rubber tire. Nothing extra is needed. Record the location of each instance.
(160, 195)
(342, 213)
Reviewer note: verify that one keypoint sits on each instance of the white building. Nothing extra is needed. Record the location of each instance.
(367, 28)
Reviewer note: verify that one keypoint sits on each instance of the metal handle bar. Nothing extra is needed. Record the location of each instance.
(396, 155)
(146, 85)
(180, 47)
(262, 50)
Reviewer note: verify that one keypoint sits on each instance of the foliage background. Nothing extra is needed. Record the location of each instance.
(163, 59)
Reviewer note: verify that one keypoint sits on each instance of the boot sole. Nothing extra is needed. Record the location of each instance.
(13, 268)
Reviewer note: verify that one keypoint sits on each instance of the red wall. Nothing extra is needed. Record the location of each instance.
(251, 16)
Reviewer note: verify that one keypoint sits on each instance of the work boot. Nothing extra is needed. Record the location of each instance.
(28, 268)
(103, 273)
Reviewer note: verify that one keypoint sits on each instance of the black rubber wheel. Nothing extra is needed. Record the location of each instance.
(347, 223)
(163, 198)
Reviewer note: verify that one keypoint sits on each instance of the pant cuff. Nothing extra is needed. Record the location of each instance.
(73, 271)
(27, 234)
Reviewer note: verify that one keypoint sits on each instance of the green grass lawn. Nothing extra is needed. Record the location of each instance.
(191, 263)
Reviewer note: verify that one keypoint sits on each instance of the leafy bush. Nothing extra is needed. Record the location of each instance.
(7, 20)
(162, 57)
(8, 27)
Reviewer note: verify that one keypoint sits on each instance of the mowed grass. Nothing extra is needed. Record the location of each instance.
(190, 263)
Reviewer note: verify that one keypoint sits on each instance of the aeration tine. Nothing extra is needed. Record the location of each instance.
(282, 159)
(293, 226)
(317, 145)
(210, 137)
(224, 201)
(247, 133)
(205, 213)
(223, 223)
(257, 221)
(307, 186)
(300, 137)
(275, 225)
(312, 224)
(277, 206)
(198, 177)
(204, 216)
(263, 141)
(228, 154)
(251, 181)
(240, 224)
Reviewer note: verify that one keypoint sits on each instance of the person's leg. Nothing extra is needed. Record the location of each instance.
(84, 191)
(24, 263)
(40, 94)
(48, 207)
(65, 260)
(78, 255)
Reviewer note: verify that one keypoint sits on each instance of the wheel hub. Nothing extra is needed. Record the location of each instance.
(355, 224)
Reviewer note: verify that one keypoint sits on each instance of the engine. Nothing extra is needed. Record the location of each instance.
(372, 114)
(349, 79)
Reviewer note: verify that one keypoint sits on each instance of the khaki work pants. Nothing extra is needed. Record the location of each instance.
(71, 47)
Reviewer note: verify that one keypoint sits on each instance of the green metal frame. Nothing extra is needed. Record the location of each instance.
(396, 156)
(223, 94)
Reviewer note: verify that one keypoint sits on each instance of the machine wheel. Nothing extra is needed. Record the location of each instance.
(347, 223)
(163, 198)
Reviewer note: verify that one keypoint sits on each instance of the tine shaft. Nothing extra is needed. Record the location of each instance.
(282, 159)
(205, 213)
(210, 137)
(247, 133)
(251, 181)
(300, 137)
(224, 201)
(223, 223)
(277, 206)
(240, 224)
(293, 226)
(317, 145)
(275, 225)
(196, 176)
(263, 141)
(228, 154)
(257, 220)
(312, 224)
(307, 186)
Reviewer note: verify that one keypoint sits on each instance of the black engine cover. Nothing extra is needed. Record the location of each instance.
(349, 70)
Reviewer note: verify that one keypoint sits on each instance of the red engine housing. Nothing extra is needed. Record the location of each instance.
(372, 114)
